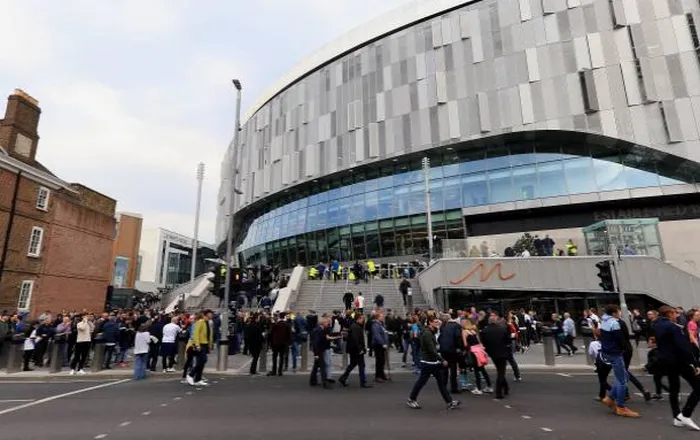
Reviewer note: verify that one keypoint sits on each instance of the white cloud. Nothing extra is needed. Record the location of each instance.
(25, 42)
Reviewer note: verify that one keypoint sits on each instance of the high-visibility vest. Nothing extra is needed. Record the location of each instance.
(370, 266)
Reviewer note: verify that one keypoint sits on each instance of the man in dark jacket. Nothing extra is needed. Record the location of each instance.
(356, 349)
(280, 338)
(110, 335)
(348, 299)
(451, 349)
(432, 364)
(319, 344)
(496, 340)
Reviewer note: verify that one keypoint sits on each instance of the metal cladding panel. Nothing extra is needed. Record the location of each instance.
(480, 69)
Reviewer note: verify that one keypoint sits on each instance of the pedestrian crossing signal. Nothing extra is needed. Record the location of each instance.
(605, 275)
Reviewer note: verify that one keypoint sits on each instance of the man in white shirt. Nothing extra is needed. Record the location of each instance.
(168, 348)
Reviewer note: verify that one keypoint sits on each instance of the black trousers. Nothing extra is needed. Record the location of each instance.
(674, 374)
(255, 354)
(80, 355)
(109, 353)
(278, 354)
(28, 354)
(356, 360)
(438, 372)
(153, 352)
(451, 370)
(201, 360)
(189, 358)
(319, 365)
(502, 388)
(379, 362)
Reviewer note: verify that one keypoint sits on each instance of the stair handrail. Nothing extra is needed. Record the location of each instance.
(320, 292)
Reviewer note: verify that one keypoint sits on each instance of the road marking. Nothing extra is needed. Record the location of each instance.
(189, 393)
(546, 429)
(163, 404)
(123, 424)
(16, 400)
(508, 406)
(60, 396)
(146, 413)
(526, 417)
(216, 381)
(99, 436)
(177, 398)
(564, 374)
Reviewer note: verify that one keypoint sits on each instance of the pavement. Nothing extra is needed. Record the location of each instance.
(545, 405)
(532, 359)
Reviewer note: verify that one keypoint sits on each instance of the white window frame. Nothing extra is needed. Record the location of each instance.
(37, 251)
(29, 285)
(45, 205)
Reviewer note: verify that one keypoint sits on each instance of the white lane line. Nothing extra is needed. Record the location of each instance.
(17, 400)
(526, 417)
(564, 374)
(216, 381)
(60, 396)
(123, 424)
(546, 429)
(508, 406)
(163, 404)
(146, 413)
(189, 393)
(99, 436)
(177, 398)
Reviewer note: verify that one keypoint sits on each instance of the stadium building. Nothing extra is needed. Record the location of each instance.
(537, 116)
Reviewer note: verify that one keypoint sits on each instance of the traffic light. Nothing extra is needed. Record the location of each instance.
(218, 281)
(605, 275)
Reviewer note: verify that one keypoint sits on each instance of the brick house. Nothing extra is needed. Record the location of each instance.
(55, 237)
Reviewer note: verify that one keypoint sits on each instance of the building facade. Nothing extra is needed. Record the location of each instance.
(165, 259)
(55, 237)
(539, 116)
(125, 251)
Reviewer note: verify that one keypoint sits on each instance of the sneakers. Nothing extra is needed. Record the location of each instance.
(477, 392)
(189, 380)
(184, 381)
(657, 397)
(201, 383)
(488, 390)
(454, 404)
(72, 372)
(607, 401)
(623, 411)
(685, 422)
(413, 404)
(82, 372)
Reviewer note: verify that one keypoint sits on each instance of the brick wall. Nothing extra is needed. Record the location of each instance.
(126, 244)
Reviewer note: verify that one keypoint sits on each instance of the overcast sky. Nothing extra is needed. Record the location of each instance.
(134, 93)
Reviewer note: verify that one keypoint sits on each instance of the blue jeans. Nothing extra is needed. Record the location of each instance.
(415, 354)
(619, 387)
(295, 354)
(140, 361)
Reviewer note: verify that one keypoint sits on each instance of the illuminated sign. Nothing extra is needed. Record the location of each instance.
(484, 273)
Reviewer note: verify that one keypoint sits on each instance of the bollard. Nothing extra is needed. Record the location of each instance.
(304, 356)
(16, 352)
(222, 356)
(344, 353)
(263, 358)
(57, 348)
(98, 357)
(548, 343)
(181, 355)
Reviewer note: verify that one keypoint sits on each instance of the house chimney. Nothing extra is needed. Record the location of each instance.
(18, 131)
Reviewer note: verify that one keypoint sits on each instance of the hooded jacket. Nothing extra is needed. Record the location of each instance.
(612, 341)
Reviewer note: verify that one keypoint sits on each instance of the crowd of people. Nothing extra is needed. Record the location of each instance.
(453, 347)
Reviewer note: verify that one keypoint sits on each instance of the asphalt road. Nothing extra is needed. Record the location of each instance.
(544, 406)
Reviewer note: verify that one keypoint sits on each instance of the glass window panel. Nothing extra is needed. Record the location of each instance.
(373, 247)
(417, 198)
(609, 175)
(334, 194)
(403, 178)
(418, 220)
(435, 172)
(452, 193)
(450, 170)
(358, 245)
(579, 175)
(357, 212)
(323, 197)
(358, 188)
(386, 224)
(312, 248)
(388, 243)
(416, 176)
(500, 186)
(333, 239)
(663, 180)
(372, 185)
(523, 159)
(386, 203)
(639, 178)
(474, 190)
(311, 218)
(419, 239)
(343, 210)
(371, 205)
(525, 182)
(552, 179)
(401, 222)
(322, 246)
(437, 196)
(333, 213)
(401, 201)
(404, 243)
(321, 216)
(454, 215)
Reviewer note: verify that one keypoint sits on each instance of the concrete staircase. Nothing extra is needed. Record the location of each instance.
(324, 296)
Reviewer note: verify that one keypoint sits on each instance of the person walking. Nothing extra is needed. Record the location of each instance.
(380, 343)
(356, 349)
(432, 364)
(319, 344)
(202, 339)
(496, 341)
(84, 330)
(676, 360)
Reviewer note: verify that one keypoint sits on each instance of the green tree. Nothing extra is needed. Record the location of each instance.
(527, 241)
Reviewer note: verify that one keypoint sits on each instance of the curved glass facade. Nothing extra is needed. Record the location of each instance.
(344, 219)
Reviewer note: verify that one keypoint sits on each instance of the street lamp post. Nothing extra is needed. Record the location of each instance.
(195, 242)
(222, 364)
(428, 211)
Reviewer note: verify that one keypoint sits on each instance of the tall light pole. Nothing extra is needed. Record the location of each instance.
(222, 364)
(428, 211)
(195, 242)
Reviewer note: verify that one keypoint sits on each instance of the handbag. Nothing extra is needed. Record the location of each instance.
(479, 353)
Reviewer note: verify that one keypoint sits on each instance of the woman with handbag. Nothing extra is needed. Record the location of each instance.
(478, 357)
